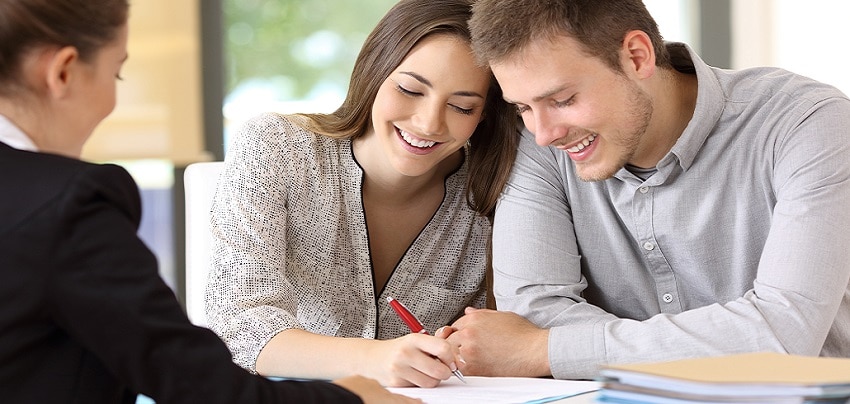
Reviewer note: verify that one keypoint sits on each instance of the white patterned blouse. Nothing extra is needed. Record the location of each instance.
(291, 250)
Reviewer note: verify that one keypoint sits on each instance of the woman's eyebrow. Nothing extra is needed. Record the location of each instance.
(427, 83)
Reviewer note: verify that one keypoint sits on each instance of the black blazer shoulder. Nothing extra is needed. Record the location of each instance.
(89, 320)
(33, 181)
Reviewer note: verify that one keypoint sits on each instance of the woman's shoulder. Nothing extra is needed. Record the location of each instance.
(281, 127)
(57, 181)
(54, 171)
(284, 132)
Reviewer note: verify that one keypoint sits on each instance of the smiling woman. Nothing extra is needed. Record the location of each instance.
(306, 220)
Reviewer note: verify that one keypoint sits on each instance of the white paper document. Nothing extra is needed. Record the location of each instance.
(493, 390)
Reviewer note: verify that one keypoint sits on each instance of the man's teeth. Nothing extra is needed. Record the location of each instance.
(584, 143)
(416, 142)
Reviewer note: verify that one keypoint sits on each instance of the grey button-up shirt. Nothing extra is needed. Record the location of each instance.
(740, 241)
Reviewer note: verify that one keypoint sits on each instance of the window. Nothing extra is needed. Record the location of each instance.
(291, 55)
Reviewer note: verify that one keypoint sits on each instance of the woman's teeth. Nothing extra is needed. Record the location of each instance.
(584, 143)
(416, 142)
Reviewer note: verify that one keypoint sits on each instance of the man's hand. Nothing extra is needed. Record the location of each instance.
(499, 343)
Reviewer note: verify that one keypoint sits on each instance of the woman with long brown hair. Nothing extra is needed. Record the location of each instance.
(318, 219)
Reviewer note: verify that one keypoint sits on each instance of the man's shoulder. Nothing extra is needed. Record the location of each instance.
(765, 82)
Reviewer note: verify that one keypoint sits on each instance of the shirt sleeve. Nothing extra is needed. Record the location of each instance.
(801, 280)
(248, 300)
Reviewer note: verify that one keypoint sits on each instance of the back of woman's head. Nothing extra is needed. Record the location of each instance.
(27, 24)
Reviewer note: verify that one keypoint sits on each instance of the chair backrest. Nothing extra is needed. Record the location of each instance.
(200, 181)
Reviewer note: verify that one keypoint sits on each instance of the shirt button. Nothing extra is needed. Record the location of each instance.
(667, 298)
(648, 246)
(644, 190)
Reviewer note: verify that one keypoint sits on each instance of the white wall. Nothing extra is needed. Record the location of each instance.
(806, 37)
(677, 19)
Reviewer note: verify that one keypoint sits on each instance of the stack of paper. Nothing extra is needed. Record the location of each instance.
(745, 378)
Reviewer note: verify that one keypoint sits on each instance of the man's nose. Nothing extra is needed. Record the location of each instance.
(544, 128)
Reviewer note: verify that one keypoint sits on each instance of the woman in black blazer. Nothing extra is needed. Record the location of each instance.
(85, 317)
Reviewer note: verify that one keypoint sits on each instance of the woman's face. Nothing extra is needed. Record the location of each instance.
(428, 107)
(92, 96)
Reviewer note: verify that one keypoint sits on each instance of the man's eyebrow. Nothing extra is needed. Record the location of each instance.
(549, 93)
(540, 97)
(427, 82)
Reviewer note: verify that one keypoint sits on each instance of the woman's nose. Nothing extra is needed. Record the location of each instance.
(430, 119)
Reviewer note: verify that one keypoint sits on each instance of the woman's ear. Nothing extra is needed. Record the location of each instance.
(61, 70)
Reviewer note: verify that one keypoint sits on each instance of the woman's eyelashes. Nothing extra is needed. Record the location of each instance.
(410, 93)
(465, 111)
(406, 91)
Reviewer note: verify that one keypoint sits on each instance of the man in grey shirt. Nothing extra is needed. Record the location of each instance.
(668, 209)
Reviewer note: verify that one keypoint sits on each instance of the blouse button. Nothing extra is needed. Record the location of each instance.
(648, 246)
(667, 298)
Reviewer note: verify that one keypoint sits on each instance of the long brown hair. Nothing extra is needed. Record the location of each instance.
(492, 145)
(500, 28)
(84, 24)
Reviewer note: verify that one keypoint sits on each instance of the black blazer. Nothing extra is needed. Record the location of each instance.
(84, 315)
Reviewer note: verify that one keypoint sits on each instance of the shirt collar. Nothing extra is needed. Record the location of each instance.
(709, 106)
(14, 136)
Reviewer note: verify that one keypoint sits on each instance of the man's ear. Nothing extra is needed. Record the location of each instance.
(638, 54)
(61, 69)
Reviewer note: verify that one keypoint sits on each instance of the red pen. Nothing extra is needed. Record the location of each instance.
(406, 316)
(414, 325)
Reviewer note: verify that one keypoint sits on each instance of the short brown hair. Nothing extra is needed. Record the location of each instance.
(25, 24)
(492, 145)
(500, 28)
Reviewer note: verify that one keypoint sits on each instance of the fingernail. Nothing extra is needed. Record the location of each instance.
(440, 330)
(452, 366)
(460, 358)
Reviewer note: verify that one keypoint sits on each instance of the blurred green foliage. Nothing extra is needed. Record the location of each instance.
(296, 46)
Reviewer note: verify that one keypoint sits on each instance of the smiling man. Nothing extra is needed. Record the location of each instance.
(658, 208)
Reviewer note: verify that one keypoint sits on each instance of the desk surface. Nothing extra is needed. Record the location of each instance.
(585, 398)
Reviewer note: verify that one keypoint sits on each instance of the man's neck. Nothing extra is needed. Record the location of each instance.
(674, 100)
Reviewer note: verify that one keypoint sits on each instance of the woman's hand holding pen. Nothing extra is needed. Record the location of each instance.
(411, 360)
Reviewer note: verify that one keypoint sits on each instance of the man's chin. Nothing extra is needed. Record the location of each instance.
(592, 173)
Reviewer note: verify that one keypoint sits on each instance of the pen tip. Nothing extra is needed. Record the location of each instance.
(459, 376)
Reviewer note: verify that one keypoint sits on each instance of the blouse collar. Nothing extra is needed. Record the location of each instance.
(14, 136)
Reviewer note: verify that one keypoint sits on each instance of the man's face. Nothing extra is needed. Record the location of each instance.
(576, 103)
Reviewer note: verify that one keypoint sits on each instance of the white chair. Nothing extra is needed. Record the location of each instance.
(199, 180)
